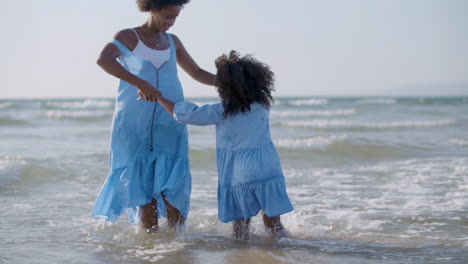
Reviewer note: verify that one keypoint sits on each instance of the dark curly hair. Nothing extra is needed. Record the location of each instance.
(242, 81)
(147, 5)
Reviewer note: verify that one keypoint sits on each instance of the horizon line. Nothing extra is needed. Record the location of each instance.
(216, 97)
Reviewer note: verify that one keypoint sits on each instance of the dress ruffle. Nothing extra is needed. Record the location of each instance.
(151, 174)
(246, 200)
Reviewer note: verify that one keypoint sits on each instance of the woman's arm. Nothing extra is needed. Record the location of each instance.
(186, 62)
(108, 62)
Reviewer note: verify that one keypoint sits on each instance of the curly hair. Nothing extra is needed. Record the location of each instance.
(147, 5)
(242, 81)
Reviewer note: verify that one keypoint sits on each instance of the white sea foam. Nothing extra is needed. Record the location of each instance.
(158, 251)
(64, 114)
(416, 182)
(299, 224)
(320, 142)
(85, 104)
(409, 189)
(308, 102)
(459, 141)
(325, 123)
(200, 103)
(344, 205)
(377, 101)
(337, 112)
(5, 105)
(11, 168)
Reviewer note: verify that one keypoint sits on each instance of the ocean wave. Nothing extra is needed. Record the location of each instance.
(10, 121)
(11, 168)
(358, 124)
(83, 115)
(200, 103)
(158, 251)
(82, 104)
(302, 102)
(5, 105)
(337, 112)
(321, 149)
(29, 171)
(319, 142)
(459, 142)
(377, 101)
(435, 100)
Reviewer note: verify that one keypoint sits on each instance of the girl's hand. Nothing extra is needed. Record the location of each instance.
(147, 92)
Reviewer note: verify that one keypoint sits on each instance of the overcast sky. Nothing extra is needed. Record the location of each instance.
(326, 47)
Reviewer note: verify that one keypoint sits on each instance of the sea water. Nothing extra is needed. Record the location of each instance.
(372, 180)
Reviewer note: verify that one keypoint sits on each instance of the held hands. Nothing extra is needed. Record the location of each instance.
(147, 92)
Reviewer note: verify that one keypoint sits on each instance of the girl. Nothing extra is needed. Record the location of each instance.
(149, 168)
(250, 177)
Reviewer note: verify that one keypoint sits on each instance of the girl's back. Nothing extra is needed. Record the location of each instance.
(250, 177)
(244, 130)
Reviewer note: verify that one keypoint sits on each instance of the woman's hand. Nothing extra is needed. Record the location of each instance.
(147, 92)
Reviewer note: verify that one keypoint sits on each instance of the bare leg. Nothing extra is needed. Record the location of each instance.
(174, 217)
(275, 226)
(241, 229)
(149, 216)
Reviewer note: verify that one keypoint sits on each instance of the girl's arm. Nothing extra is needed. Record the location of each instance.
(166, 104)
(108, 62)
(190, 113)
(187, 63)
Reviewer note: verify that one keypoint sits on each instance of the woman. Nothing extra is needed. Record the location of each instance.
(149, 165)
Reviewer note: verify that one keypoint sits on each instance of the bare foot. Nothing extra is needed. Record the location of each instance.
(149, 216)
(241, 229)
(275, 226)
(174, 217)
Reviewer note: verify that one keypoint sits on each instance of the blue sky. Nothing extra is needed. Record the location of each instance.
(327, 47)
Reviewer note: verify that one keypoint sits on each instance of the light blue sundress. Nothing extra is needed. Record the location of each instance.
(149, 149)
(250, 177)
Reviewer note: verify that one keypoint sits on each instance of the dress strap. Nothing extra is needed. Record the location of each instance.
(124, 50)
(136, 33)
(171, 41)
(171, 45)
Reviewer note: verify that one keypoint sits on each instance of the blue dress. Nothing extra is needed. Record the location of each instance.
(250, 177)
(149, 149)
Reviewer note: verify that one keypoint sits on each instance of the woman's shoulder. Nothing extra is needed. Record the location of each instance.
(177, 41)
(127, 37)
